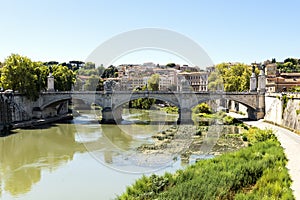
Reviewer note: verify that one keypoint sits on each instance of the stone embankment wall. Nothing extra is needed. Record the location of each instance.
(283, 109)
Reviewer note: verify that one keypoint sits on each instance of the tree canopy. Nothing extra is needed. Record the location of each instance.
(230, 77)
(142, 103)
(146, 103)
(153, 82)
(171, 65)
(295, 89)
(94, 83)
(64, 78)
(289, 65)
(110, 72)
(21, 74)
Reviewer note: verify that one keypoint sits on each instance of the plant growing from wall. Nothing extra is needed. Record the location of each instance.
(285, 100)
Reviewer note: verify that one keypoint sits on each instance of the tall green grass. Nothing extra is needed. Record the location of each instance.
(254, 172)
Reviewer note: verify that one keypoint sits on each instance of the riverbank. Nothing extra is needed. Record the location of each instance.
(34, 123)
(255, 172)
(290, 141)
(213, 134)
(188, 141)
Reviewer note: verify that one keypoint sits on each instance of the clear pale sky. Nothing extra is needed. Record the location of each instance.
(228, 30)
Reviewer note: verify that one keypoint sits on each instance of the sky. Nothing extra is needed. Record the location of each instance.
(228, 30)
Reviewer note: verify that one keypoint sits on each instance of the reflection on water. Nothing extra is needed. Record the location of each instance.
(115, 145)
(28, 155)
(25, 154)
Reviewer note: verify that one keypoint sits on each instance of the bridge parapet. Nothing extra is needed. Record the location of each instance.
(294, 95)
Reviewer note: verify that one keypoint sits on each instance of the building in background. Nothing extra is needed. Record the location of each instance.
(283, 82)
(280, 82)
(197, 80)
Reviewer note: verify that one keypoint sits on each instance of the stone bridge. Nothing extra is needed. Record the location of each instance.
(112, 101)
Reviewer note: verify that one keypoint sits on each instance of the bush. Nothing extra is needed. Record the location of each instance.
(202, 108)
(171, 109)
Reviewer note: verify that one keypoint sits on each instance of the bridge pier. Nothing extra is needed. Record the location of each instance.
(259, 111)
(5, 112)
(185, 116)
(111, 116)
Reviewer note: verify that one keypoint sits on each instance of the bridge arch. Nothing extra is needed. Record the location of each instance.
(48, 100)
(53, 101)
(170, 98)
(248, 101)
(89, 101)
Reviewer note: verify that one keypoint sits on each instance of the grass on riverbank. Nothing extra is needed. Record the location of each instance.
(201, 119)
(255, 172)
(170, 109)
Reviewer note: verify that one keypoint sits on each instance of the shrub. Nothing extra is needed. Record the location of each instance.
(171, 109)
(202, 108)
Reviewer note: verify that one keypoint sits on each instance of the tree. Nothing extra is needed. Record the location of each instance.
(153, 82)
(142, 103)
(87, 72)
(75, 65)
(89, 65)
(64, 78)
(20, 74)
(110, 72)
(294, 61)
(237, 78)
(78, 86)
(289, 65)
(42, 73)
(230, 78)
(294, 89)
(92, 83)
(100, 70)
(171, 65)
(215, 82)
(202, 108)
(100, 85)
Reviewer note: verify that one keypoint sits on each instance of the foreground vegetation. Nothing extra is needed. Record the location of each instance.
(255, 172)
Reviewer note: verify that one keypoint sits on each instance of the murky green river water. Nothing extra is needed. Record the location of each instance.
(79, 160)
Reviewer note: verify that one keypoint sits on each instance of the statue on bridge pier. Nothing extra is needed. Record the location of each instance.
(109, 85)
(253, 81)
(261, 86)
(50, 81)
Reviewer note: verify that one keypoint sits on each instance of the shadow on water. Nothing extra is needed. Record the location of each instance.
(141, 122)
(43, 126)
(6, 133)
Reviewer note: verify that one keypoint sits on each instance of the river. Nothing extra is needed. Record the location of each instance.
(81, 159)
